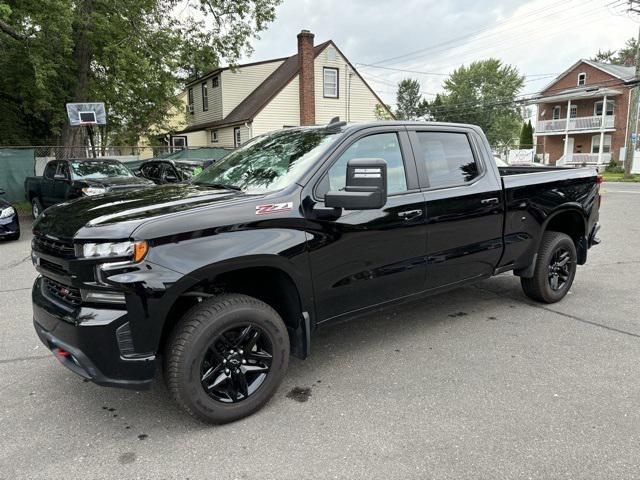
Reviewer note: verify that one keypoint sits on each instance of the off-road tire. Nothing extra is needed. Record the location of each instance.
(191, 339)
(538, 287)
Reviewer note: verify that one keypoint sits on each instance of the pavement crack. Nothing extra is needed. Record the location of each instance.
(17, 262)
(23, 359)
(562, 314)
(15, 290)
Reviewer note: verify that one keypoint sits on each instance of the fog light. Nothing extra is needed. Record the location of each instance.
(102, 297)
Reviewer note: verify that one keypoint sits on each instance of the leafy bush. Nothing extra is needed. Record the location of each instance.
(614, 167)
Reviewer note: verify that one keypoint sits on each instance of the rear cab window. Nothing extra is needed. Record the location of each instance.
(447, 158)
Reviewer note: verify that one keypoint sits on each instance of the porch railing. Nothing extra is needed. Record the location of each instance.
(577, 159)
(577, 123)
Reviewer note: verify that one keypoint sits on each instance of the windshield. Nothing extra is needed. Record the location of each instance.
(88, 169)
(269, 162)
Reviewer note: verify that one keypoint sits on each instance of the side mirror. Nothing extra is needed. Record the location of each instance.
(365, 188)
(2, 192)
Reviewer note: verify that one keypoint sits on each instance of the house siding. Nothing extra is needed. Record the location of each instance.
(355, 102)
(242, 82)
(283, 109)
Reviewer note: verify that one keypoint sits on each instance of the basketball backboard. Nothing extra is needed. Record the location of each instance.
(86, 114)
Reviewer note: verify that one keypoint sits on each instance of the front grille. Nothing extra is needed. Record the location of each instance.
(58, 248)
(64, 293)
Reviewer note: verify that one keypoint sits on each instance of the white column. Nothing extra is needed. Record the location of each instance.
(602, 124)
(566, 131)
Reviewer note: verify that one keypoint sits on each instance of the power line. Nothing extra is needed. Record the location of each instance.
(430, 48)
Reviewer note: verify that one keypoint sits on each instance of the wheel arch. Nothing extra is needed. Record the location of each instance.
(263, 279)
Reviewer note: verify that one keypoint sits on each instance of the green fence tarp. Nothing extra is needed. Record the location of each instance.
(16, 164)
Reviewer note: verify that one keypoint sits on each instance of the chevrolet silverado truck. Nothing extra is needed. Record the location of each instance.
(217, 281)
(64, 180)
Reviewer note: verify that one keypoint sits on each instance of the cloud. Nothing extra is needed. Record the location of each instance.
(540, 36)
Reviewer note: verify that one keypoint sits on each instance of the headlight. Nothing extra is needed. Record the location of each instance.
(133, 250)
(7, 212)
(88, 191)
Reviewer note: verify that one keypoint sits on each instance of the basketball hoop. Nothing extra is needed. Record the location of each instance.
(87, 115)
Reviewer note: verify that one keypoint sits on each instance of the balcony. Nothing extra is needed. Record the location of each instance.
(580, 159)
(576, 124)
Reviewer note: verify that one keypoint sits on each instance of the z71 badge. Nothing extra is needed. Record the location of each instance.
(274, 208)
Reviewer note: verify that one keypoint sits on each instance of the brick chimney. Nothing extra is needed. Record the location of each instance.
(306, 57)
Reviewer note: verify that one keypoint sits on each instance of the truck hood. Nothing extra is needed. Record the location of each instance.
(118, 214)
(117, 183)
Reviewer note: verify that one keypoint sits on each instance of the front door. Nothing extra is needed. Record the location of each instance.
(365, 258)
(464, 206)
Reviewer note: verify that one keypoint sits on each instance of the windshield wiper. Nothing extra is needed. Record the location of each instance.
(220, 185)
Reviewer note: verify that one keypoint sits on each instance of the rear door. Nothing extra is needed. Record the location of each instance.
(464, 205)
(367, 257)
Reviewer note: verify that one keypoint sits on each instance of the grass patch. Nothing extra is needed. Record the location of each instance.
(23, 208)
(619, 177)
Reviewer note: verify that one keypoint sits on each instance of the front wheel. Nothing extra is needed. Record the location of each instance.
(36, 207)
(226, 358)
(554, 271)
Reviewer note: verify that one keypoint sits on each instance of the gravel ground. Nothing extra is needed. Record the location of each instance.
(475, 383)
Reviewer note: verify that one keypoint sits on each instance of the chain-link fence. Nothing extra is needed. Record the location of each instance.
(57, 152)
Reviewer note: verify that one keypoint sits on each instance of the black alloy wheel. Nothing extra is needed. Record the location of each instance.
(236, 364)
(559, 269)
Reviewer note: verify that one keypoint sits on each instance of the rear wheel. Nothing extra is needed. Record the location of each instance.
(555, 269)
(36, 207)
(226, 358)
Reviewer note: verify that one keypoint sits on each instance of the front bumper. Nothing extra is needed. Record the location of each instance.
(90, 342)
(9, 226)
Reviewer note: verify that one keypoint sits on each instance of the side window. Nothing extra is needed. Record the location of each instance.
(380, 145)
(50, 170)
(151, 171)
(448, 158)
(63, 170)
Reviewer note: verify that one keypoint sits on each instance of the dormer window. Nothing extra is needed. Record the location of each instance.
(582, 79)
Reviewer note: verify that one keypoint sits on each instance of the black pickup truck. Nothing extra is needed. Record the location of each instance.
(65, 180)
(220, 279)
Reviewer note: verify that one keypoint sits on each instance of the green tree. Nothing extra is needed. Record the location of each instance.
(625, 56)
(409, 102)
(132, 54)
(483, 94)
(382, 112)
(526, 136)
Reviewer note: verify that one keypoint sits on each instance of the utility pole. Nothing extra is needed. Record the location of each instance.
(633, 114)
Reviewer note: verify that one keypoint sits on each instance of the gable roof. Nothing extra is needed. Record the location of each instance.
(620, 72)
(253, 103)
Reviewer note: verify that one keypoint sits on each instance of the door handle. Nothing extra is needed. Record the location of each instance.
(409, 214)
(490, 201)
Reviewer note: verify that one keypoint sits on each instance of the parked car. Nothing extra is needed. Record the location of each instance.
(171, 171)
(219, 280)
(9, 222)
(68, 179)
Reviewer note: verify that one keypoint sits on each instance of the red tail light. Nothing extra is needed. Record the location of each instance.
(599, 179)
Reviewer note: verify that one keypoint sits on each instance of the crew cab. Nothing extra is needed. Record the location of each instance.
(219, 280)
(65, 180)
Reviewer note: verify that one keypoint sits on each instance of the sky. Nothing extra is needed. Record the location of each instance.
(541, 38)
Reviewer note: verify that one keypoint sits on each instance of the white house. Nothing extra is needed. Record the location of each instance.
(228, 106)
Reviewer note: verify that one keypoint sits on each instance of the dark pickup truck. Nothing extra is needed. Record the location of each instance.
(68, 179)
(220, 279)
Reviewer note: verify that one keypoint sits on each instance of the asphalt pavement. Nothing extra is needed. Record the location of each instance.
(475, 383)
